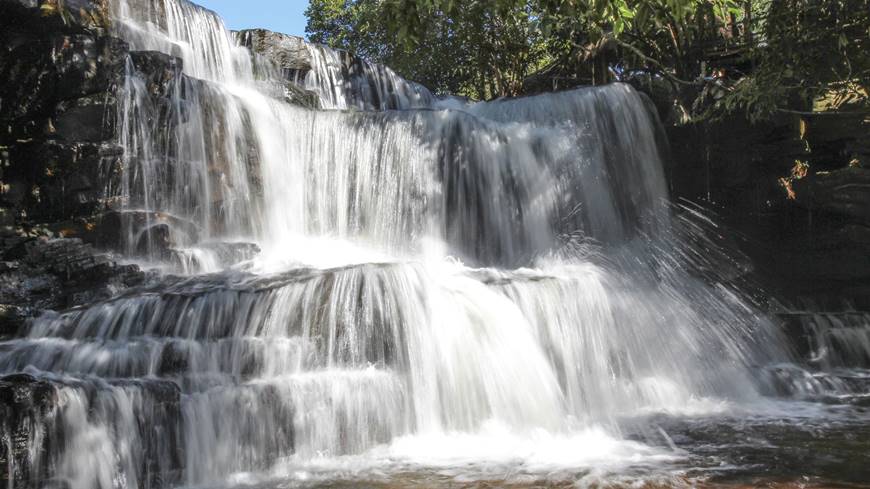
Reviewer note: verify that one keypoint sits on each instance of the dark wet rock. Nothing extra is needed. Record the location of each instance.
(34, 431)
(27, 394)
(815, 245)
(824, 263)
(26, 405)
(39, 73)
(173, 360)
(86, 119)
(834, 242)
(12, 320)
(845, 192)
(109, 230)
(147, 231)
(54, 180)
(42, 73)
(42, 273)
(67, 174)
(65, 257)
(830, 339)
(28, 289)
(159, 71)
(66, 14)
(154, 240)
(58, 74)
(289, 53)
(294, 94)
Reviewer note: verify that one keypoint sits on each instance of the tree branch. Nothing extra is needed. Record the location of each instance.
(659, 65)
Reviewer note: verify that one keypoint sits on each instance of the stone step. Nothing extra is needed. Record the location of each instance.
(146, 431)
(174, 358)
(840, 386)
(830, 339)
(43, 416)
(353, 315)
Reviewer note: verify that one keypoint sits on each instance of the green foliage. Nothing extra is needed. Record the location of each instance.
(353, 25)
(778, 53)
(810, 52)
(483, 49)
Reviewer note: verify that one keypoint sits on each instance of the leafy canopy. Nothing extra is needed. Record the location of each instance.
(775, 53)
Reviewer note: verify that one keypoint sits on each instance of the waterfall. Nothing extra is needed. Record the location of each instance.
(383, 272)
(343, 82)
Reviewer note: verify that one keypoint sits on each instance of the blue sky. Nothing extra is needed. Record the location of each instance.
(287, 16)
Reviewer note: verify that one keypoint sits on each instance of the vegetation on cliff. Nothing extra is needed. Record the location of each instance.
(756, 56)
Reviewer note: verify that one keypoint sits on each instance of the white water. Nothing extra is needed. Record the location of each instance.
(344, 83)
(495, 284)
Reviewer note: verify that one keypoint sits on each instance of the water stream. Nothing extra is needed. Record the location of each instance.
(399, 291)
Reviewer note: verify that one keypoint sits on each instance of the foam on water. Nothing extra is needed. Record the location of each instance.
(495, 453)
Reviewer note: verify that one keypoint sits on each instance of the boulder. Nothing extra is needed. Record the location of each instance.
(289, 53)
(150, 233)
(155, 240)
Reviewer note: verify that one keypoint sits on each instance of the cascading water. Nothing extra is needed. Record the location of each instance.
(494, 281)
(345, 83)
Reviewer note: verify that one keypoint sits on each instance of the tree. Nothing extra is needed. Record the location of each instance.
(352, 25)
(664, 36)
(811, 55)
(768, 55)
(483, 50)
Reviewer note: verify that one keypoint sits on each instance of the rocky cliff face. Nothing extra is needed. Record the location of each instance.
(794, 191)
(59, 70)
(57, 109)
(60, 73)
(59, 157)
